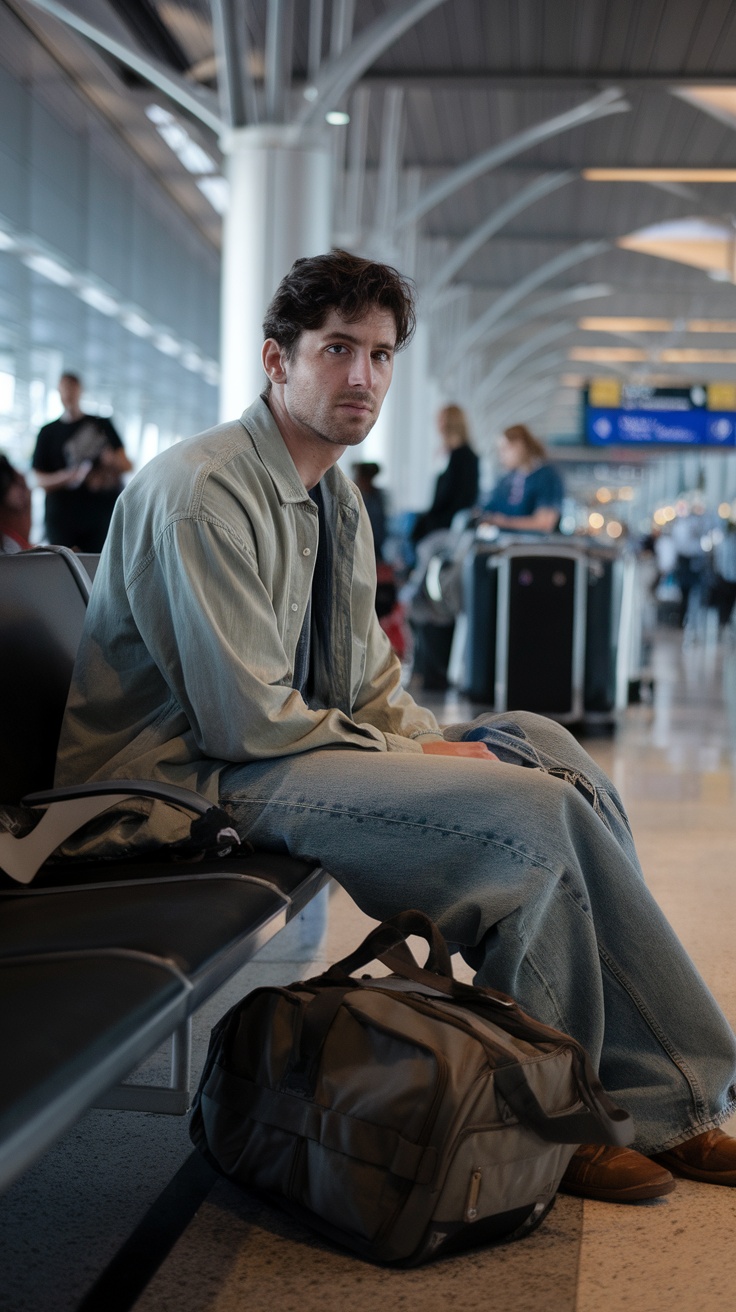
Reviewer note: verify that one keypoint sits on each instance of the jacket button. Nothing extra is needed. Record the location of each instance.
(294, 606)
(306, 552)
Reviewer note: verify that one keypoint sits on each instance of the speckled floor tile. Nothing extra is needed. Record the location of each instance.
(239, 1253)
(677, 1252)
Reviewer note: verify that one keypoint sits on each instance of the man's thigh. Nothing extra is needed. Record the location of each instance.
(466, 840)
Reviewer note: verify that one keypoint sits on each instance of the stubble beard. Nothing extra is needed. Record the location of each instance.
(336, 432)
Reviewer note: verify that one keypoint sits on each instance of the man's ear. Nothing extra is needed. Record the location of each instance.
(274, 361)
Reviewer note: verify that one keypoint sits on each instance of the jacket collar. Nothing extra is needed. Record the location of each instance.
(272, 450)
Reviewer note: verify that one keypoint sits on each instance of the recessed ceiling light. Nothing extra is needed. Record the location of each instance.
(99, 300)
(135, 323)
(621, 324)
(167, 344)
(612, 354)
(659, 175)
(50, 269)
(337, 117)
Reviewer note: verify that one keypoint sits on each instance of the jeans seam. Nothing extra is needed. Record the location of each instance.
(486, 839)
(698, 1096)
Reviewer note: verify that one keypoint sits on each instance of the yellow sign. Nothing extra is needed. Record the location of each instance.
(605, 393)
(721, 396)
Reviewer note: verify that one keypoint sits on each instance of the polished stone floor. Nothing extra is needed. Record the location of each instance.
(674, 761)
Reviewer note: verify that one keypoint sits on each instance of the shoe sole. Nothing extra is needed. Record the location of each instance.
(637, 1193)
(692, 1173)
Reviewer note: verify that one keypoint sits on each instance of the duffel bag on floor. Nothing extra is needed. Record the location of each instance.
(401, 1116)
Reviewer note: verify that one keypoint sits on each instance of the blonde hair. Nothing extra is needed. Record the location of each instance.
(455, 425)
(519, 435)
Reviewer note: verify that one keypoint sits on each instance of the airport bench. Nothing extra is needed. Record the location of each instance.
(100, 962)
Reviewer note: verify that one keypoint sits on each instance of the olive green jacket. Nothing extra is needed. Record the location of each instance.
(186, 663)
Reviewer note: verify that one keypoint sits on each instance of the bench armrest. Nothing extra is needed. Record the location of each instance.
(183, 798)
(68, 809)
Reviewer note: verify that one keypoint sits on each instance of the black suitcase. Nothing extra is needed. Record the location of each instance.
(480, 590)
(603, 633)
(526, 628)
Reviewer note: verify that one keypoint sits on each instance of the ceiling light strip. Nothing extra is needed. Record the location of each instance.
(54, 268)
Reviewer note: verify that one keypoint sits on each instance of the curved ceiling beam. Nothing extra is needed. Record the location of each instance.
(229, 62)
(472, 339)
(279, 53)
(543, 186)
(552, 360)
(339, 74)
(517, 410)
(511, 359)
(520, 384)
(585, 250)
(508, 391)
(198, 102)
(608, 102)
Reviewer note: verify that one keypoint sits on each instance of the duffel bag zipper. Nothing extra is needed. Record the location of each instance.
(471, 1205)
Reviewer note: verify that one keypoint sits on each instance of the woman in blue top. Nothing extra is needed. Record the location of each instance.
(528, 497)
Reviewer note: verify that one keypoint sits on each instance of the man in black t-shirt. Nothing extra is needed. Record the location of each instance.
(78, 461)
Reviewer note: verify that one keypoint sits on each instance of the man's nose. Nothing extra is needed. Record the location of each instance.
(361, 370)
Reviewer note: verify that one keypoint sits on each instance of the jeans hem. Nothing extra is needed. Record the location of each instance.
(713, 1123)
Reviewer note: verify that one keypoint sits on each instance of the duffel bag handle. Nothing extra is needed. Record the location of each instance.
(600, 1120)
(384, 940)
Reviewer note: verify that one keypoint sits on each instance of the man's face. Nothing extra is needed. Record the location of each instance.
(69, 391)
(335, 381)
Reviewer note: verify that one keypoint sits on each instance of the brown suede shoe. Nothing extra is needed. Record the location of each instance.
(710, 1157)
(614, 1175)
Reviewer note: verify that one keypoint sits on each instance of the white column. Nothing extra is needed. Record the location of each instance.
(280, 208)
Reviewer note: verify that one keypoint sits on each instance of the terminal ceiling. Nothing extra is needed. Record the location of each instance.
(456, 79)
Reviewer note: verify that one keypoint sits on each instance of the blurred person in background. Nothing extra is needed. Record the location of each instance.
(78, 461)
(456, 487)
(364, 474)
(528, 497)
(723, 593)
(15, 509)
(691, 559)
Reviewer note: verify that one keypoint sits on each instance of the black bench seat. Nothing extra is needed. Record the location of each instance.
(100, 962)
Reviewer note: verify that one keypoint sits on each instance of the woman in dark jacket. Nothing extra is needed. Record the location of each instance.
(457, 486)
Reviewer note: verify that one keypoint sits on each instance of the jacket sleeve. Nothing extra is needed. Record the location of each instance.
(383, 703)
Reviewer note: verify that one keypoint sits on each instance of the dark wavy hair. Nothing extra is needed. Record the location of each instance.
(337, 281)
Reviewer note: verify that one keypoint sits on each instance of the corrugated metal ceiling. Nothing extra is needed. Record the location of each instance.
(474, 74)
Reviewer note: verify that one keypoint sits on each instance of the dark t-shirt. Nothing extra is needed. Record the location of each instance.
(518, 493)
(77, 517)
(456, 489)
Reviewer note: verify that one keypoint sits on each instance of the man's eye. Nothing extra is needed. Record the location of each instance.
(382, 356)
(336, 347)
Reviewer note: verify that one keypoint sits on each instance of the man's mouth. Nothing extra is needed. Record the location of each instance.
(360, 406)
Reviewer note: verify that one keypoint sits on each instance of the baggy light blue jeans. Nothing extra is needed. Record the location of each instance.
(529, 866)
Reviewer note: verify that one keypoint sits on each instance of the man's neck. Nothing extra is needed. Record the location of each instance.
(312, 454)
(72, 414)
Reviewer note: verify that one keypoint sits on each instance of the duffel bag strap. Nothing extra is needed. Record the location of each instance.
(599, 1121)
(389, 936)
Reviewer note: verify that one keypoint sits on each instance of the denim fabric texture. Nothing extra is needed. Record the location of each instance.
(532, 872)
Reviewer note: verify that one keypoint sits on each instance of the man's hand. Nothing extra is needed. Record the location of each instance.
(459, 749)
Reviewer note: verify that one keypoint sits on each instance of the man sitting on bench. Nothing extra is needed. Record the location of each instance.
(232, 646)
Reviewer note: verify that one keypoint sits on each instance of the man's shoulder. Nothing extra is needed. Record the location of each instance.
(178, 470)
(53, 427)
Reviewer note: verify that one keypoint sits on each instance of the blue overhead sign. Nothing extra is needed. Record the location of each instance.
(660, 428)
(619, 415)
